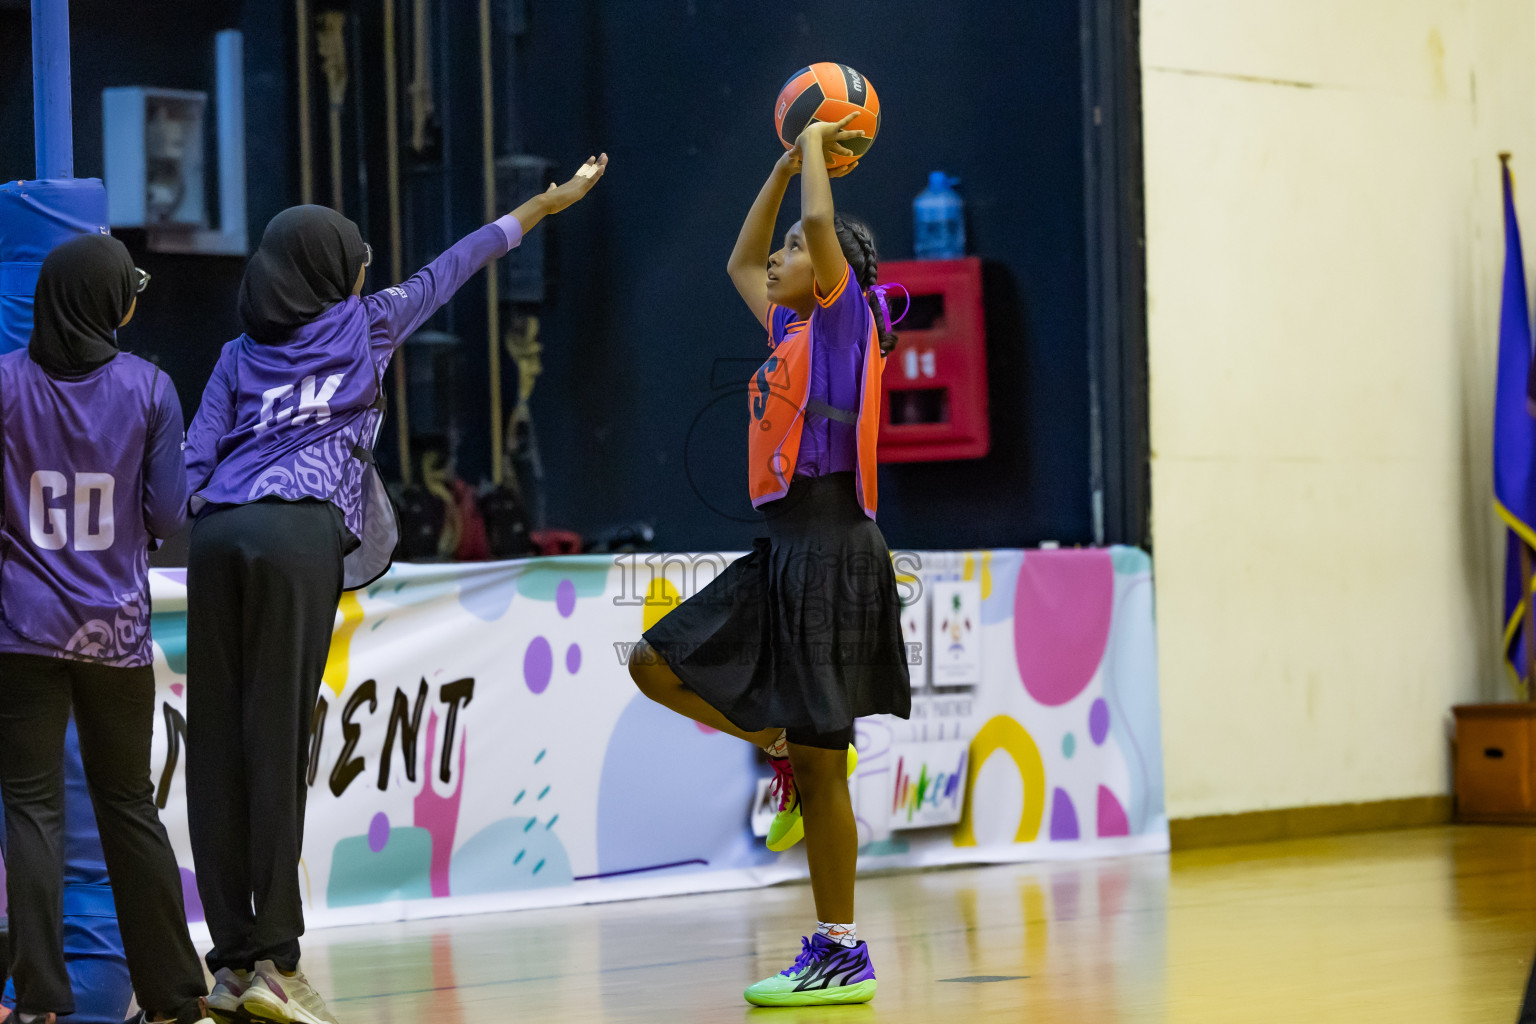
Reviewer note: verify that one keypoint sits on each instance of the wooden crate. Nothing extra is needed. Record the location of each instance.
(1496, 763)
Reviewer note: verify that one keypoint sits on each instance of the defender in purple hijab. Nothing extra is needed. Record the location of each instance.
(93, 478)
(290, 511)
(90, 455)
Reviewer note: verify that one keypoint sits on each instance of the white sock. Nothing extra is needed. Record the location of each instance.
(843, 934)
(779, 747)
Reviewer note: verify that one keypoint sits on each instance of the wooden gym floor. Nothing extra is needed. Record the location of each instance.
(1433, 925)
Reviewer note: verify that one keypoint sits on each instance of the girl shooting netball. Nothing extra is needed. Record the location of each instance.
(797, 639)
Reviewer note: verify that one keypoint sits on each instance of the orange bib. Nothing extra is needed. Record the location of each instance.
(778, 394)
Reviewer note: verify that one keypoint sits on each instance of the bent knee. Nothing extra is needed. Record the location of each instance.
(645, 668)
(817, 769)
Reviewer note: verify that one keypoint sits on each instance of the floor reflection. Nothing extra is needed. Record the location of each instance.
(1427, 925)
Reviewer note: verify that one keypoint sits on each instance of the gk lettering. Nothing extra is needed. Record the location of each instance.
(48, 517)
(312, 404)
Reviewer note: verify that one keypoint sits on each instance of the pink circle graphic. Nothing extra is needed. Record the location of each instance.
(538, 664)
(565, 598)
(1062, 607)
(573, 659)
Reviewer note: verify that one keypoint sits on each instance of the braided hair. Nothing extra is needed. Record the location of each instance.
(859, 250)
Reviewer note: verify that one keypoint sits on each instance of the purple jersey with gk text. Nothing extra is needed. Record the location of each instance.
(840, 327)
(284, 420)
(92, 473)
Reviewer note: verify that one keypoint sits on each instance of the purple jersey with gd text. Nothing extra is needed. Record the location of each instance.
(93, 475)
(289, 420)
(840, 328)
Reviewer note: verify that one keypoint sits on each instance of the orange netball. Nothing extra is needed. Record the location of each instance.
(828, 92)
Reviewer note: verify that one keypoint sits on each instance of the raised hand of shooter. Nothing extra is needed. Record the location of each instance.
(826, 138)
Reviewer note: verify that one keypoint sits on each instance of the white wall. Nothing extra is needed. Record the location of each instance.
(1324, 248)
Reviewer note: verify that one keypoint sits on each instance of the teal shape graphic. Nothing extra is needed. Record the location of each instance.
(508, 855)
(540, 581)
(170, 632)
(1130, 561)
(401, 870)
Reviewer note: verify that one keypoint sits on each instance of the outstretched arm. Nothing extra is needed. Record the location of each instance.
(401, 309)
(748, 265)
(819, 140)
(558, 197)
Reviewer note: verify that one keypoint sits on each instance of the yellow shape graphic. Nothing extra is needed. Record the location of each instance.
(660, 598)
(969, 572)
(337, 662)
(1005, 733)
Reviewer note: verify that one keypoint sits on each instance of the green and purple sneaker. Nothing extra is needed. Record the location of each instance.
(824, 974)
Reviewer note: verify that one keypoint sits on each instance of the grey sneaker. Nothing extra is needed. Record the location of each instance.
(275, 996)
(229, 987)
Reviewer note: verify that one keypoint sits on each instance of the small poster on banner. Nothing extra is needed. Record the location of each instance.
(955, 653)
(929, 782)
(914, 634)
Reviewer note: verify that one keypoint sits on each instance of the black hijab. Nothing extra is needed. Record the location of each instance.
(84, 291)
(307, 262)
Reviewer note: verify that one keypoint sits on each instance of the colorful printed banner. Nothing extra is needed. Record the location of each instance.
(478, 744)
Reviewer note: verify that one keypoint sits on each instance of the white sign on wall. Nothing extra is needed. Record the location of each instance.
(955, 651)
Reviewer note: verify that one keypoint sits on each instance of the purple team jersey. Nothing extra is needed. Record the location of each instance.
(93, 476)
(296, 419)
(840, 326)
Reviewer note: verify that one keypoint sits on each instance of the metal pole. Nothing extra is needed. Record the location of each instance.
(331, 41)
(492, 299)
(52, 130)
(396, 257)
(229, 72)
(306, 143)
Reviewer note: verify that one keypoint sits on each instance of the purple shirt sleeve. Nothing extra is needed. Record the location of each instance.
(512, 228)
(396, 312)
(165, 472)
(215, 418)
(843, 317)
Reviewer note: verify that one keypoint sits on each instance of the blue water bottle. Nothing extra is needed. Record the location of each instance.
(938, 215)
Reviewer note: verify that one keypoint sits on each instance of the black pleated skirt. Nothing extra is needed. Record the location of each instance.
(802, 632)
